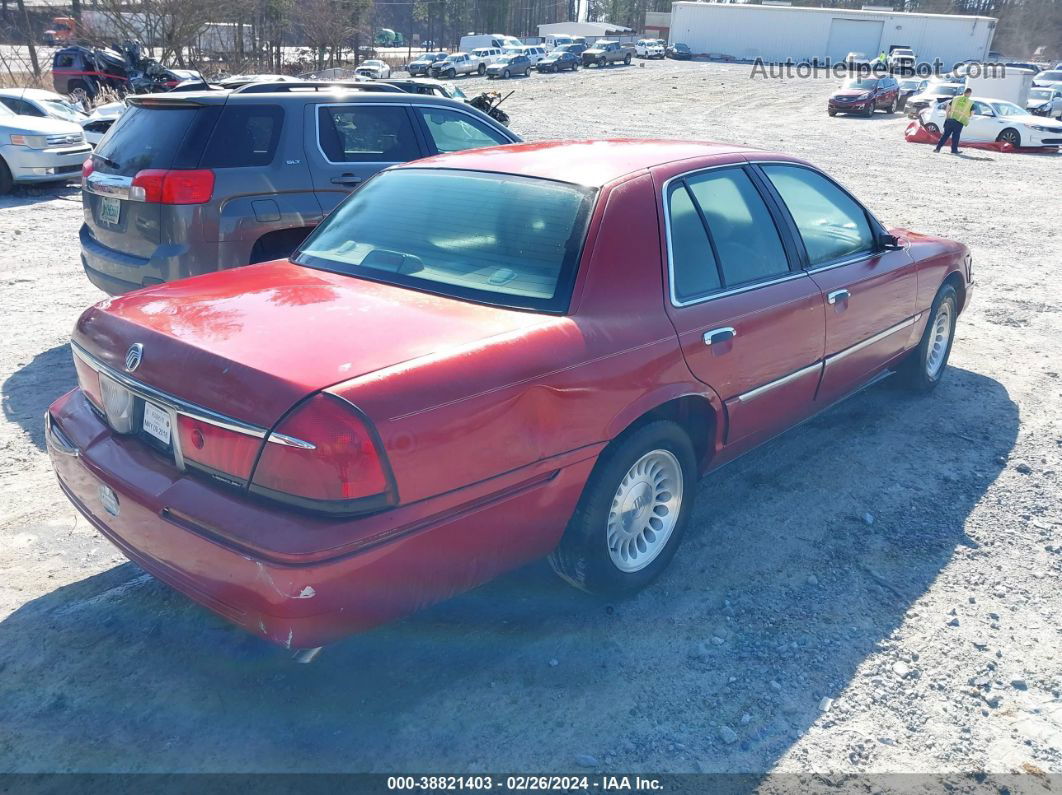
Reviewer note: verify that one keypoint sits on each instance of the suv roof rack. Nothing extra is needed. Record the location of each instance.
(271, 88)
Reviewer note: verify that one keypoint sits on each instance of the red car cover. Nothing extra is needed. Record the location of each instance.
(917, 134)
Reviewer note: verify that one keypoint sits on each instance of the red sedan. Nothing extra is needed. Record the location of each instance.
(481, 359)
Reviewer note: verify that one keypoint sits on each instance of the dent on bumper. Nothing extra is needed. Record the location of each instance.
(292, 603)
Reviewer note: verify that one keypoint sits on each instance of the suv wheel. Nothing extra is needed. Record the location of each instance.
(871, 108)
(505, 74)
(632, 513)
(6, 181)
(892, 107)
(481, 69)
(627, 60)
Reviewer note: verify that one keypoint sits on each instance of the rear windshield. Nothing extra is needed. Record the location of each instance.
(144, 138)
(229, 136)
(493, 238)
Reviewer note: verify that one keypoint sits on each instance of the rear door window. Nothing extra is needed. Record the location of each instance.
(366, 134)
(245, 135)
(453, 131)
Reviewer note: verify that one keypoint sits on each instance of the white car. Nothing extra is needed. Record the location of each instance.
(902, 60)
(1045, 101)
(39, 149)
(999, 120)
(38, 102)
(534, 52)
(650, 48)
(457, 63)
(1050, 77)
(377, 70)
(97, 123)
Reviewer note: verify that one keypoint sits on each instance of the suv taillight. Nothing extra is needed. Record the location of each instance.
(173, 186)
(329, 460)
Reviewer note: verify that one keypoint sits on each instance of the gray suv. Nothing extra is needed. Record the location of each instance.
(188, 183)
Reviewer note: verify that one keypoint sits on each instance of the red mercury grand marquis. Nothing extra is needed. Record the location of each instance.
(480, 359)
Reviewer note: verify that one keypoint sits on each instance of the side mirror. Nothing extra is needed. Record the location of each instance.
(890, 243)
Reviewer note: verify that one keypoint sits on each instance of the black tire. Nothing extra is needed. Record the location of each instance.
(7, 182)
(627, 60)
(527, 72)
(481, 69)
(915, 373)
(582, 557)
(831, 112)
(505, 74)
(1010, 136)
(891, 108)
(601, 62)
(575, 67)
(451, 73)
(931, 127)
(870, 110)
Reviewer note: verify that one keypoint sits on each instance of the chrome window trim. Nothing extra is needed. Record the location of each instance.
(752, 394)
(177, 406)
(675, 302)
(871, 340)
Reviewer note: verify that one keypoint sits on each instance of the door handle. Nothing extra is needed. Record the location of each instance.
(346, 179)
(718, 335)
(837, 295)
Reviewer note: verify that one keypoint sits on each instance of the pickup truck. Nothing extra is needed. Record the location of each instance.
(458, 63)
(606, 51)
(902, 60)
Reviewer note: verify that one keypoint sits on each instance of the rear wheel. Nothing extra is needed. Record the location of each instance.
(505, 75)
(1010, 136)
(632, 514)
(481, 69)
(6, 180)
(627, 60)
(931, 127)
(925, 365)
(527, 72)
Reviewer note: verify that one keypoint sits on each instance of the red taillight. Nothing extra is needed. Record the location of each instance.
(163, 186)
(86, 170)
(228, 452)
(89, 381)
(343, 465)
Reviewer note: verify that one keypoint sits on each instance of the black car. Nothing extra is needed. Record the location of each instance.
(576, 48)
(559, 60)
(679, 51)
(422, 65)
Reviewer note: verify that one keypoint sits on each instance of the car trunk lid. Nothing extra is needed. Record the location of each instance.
(251, 342)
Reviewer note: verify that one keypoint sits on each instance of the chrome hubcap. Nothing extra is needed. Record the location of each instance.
(645, 509)
(938, 341)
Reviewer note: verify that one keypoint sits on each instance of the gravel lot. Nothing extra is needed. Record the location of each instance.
(876, 591)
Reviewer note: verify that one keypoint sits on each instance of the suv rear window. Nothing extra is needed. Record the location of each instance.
(245, 135)
(154, 137)
(502, 239)
(366, 134)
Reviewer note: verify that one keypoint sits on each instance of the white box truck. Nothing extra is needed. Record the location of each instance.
(1002, 83)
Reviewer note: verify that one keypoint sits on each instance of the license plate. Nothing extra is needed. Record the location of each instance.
(157, 423)
(110, 210)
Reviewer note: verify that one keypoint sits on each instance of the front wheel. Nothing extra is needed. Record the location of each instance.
(481, 69)
(451, 73)
(505, 75)
(632, 514)
(892, 107)
(527, 72)
(1010, 136)
(932, 128)
(925, 365)
(7, 182)
(627, 60)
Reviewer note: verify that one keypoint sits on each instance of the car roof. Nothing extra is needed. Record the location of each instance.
(30, 93)
(324, 94)
(593, 162)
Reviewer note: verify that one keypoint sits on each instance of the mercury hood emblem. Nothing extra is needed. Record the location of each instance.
(133, 356)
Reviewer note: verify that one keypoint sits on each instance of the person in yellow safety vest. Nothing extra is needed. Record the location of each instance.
(882, 59)
(959, 111)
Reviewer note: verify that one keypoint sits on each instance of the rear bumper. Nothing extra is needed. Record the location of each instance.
(117, 272)
(178, 526)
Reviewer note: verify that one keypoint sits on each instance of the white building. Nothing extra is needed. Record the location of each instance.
(776, 33)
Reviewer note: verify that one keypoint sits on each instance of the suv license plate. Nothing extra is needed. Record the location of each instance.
(110, 210)
(156, 422)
